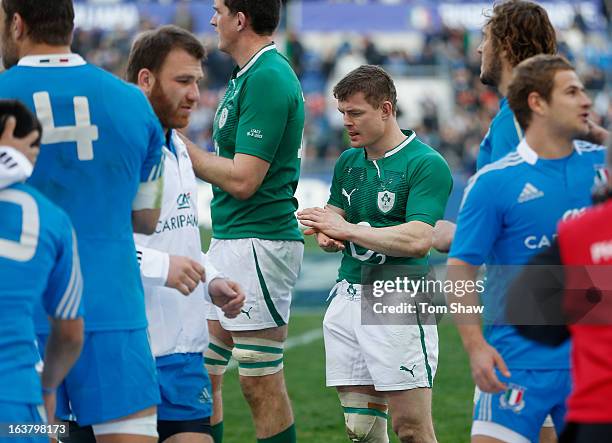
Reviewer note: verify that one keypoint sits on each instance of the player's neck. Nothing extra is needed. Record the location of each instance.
(247, 47)
(43, 49)
(506, 77)
(548, 143)
(391, 139)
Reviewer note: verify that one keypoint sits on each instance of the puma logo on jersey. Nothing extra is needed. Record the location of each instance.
(404, 368)
(247, 313)
(347, 195)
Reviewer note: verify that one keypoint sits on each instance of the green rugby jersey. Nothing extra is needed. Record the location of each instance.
(261, 114)
(411, 182)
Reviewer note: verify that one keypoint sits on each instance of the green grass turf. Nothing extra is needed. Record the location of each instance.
(318, 415)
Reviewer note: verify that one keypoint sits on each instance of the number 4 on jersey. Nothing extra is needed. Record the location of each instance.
(83, 132)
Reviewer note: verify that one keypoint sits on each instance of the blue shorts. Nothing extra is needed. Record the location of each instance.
(14, 413)
(184, 386)
(114, 377)
(522, 408)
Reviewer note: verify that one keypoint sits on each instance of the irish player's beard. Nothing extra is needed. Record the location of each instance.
(165, 109)
(491, 75)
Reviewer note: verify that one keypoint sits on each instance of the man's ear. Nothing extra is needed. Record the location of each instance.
(146, 80)
(242, 21)
(536, 103)
(18, 26)
(387, 110)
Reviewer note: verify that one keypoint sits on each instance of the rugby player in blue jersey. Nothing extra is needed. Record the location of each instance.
(39, 264)
(515, 31)
(548, 178)
(100, 162)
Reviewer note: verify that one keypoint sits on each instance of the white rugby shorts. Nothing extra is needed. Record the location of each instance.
(267, 270)
(389, 357)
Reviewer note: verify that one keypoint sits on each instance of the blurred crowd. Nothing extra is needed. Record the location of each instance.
(450, 54)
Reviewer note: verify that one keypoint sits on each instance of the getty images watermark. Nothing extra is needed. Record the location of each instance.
(424, 295)
(403, 295)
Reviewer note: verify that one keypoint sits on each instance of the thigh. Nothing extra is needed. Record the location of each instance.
(411, 406)
(399, 357)
(267, 272)
(184, 387)
(344, 361)
(114, 377)
(519, 412)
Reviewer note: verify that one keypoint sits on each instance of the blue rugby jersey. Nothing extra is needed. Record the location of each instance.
(101, 139)
(502, 138)
(531, 195)
(38, 262)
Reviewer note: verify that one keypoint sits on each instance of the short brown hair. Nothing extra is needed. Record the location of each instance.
(536, 74)
(49, 21)
(151, 48)
(376, 85)
(522, 29)
(264, 15)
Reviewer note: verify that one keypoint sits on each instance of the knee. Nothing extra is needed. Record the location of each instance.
(409, 431)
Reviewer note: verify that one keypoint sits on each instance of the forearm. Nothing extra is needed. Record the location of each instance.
(61, 353)
(213, 169)
(467, 319)
(396, 241)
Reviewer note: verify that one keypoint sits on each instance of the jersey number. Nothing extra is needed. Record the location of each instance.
(369, 253)
(24, 249)
(83, 132)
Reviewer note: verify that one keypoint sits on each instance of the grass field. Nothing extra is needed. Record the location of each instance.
(318, 414)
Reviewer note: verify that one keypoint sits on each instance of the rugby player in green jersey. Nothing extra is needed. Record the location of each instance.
(387, 193)
(257, 134)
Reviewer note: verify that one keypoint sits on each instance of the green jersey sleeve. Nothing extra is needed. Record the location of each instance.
(430, 187)
(335, 191)
(264, 110)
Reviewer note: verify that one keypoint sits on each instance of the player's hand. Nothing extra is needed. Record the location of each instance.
(325, 242)
(484, 358)
(24, 145)
(325, 220)
(228, 295)
(443, 235)
(597, 134)
(184, 274)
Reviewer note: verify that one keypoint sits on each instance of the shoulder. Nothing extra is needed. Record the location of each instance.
(496, 174)
(49, 214)
(504, 124)
(274, 70)
(588, 148)
(349, 156)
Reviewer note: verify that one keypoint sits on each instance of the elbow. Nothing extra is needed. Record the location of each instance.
(145, 221)
(71, 334)
(146, 228)
(243, 190)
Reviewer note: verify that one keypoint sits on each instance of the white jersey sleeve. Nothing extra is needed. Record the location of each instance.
(154, 265)
(14, 166)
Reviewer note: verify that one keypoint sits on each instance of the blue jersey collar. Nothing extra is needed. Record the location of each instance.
(526, 152)
(52, 60)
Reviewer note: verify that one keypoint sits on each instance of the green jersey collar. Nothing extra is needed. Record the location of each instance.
(253, 59)
(410, 136)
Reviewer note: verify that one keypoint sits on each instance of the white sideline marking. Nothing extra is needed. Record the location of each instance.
(292, 342)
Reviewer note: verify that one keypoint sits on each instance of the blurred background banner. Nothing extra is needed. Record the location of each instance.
(334, 15)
